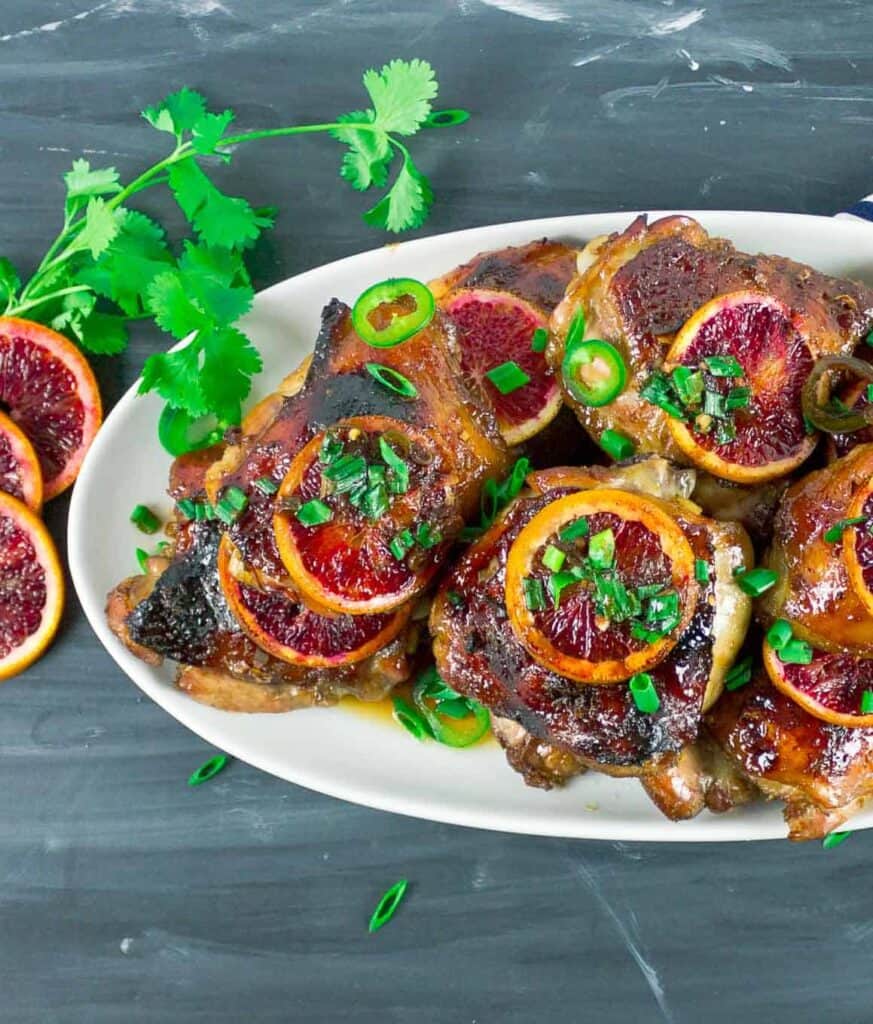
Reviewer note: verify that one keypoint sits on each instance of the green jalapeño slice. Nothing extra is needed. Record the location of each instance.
(594, 372)
(388, 313)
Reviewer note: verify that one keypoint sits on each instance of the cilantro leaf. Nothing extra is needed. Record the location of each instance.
(219, 219)
(170, 304)
(211, 289)
(100, 227)
(207, 131)
(401, 93)
(176, 377)
(103, 334)
(366, 162)
(177, 113)
(75, 308)
(9, 279)
(82, 181)
(229, 362)
(407, 203)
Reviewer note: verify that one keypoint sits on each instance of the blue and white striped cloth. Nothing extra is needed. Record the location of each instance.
(862, 210)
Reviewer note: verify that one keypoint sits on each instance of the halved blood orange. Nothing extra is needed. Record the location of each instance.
(31, 587)
(48, 389)
(352, 556)
(858, 546)
(282, 625)
(576, 636)
(495, 328)
(762, 335)
(20, 474)
(831, 687)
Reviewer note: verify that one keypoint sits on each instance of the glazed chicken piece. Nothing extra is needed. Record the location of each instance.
(802, 731)
(552, 725)
(247, 635)
(670, 297)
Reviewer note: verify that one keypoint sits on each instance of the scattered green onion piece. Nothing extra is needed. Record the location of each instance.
(236, 498)
(455, 599)
(534, 595)
(314, 513)
(576, 331)
(738, 398)
(266, 486)
(593, 371)
(446, 118)
(508, 377)
(573, 531)
(601, 549)
(387, 906)
(407, 716)
(795, 652)
(658, 390)
(725, 431)
(617, 446)
(401, 326)
(187, 507)
(142, 557)
(870, 392)
(539, 340)
(755, 582)
(426, 537)
(331, 449)
(392, 379)
(867, 702)
(739, 674)
(554, 558)
(226, 512)
(209, 769)
(663, 606)
(513, 483)
(144, 519)
(701, 570)
(558, 583)
(397, 466)
(689, 385)
(375, 502)
(714, 404)
(645, 696)
(401, 544)
(834, 839)
(723, 366)
(835, 532)
(346, 471)
(779, 634)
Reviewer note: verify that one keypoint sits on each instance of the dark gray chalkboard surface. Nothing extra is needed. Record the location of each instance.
(127, 897)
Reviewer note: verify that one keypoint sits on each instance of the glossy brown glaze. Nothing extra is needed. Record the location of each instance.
(823, 772)
(813, 590)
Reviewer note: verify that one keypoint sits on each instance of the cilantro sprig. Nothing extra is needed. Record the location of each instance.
(111, 264)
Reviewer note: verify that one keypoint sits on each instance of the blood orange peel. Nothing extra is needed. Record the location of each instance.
(747, 425)
(20, 474)
(31, 587)
(617, 596)
(858, 545)
(49, 390)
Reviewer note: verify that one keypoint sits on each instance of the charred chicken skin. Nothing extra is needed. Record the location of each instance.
(551, 724)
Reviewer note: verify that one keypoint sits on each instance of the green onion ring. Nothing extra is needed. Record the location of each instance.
(387, 905)
(392, 379)
(446, 118)
(835, 421)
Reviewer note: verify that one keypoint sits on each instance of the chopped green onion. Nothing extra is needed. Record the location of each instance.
(558, 583)
(225, 511)
(426, 537)
(392, 379)
(573, 531)
(663, 606)
(725, 431)
(387, 905)
(539, 340)
(534, 595)
(645, 696)
(576, 331)
(835, 838)
(187, 507)
(346, 472)
(331, 449)
(601, 549)
(407, 716)
(554, 558)
(701, 570)
(142, 557)
(836, 531)
(508, 377)
(513, 483)
(375, 502)
(455, 599)
(755, 582)
(236, 498)
(739, 675)
(401, 544)
(870, 392)
(714, 404)
(779, 634)
(209, 769)
(659, 391)
(738, 398)
(144, 519)
(867, 702)
(397, 466)
(723, 366)
(314, 513)
(689, 385)
(795, 652)
(616, 445)
(266, 486)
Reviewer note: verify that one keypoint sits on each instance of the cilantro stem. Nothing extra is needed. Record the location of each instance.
(300, 129)
(21, 306)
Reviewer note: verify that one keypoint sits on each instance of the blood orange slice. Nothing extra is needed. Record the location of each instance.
(282, 625)
(48, 389)
(831, 687)
(31, 587)
(495, 328)
(858, 545)
(364, 515)
(747, 424)
(600, 585)
(20, 474)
